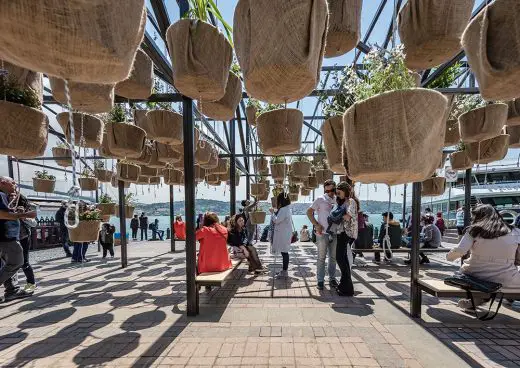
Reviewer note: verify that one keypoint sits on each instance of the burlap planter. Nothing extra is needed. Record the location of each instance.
(514, 136)
(154, 162)
(312, 182)
(212, 163)
(280, 47)
(179, 165)
(261, 165)
(103, 175)
(263, 196)
(142, 180)
(257, 189)
(279, 131)
(305, 192)
(460, 160)
(251, 115)
(384, 135)
(86, 231)
(293, 198)
(91, 126)
(173, 177)
(44, 185)
(222, 167)
(84, 97)
(301, 169)
(167, 154)
(491, 45)
(180, 147)
(323, 175)
(88, 184)
(294, 189)
(279, 171)
(162, 126)
(106, 209)
(332, 133)
(155, 180)
(201, 58)
(279, 181)
(344, 26)
(62, 152)
(129, 211)
(237, 180)
(115, 182)
(148, 171)
(139, 85)
(258, 217)
(128, 172)
(513, 112)
(224, 108)
(452, 134)
(213, 179)
(146, 156)
(343, 178)
(431, 30)
(433, 186)
(24, 130)
(490, 150)
(482, 123)
(83, 41)
(200, 174)
(24, 78)
(125, 140)
(104, 150)
(203, 152)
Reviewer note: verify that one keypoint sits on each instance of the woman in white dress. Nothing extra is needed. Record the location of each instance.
(281, 231)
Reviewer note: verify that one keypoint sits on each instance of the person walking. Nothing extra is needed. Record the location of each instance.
(282, 228)
(106, 239)
(326, 245)
(440, 223)
(134, 225)
(179, 228)
(26, 226)
(143, 225)
(250, 227)
(459, 220)
(60, 219)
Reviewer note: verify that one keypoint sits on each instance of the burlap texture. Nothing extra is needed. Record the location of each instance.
(212, 163)
(263, 196)
(482, 123)
(88, 184)
(128, 172)
(344, 26)
(154, 180)
(163, 126)
(125, 140)
(148, 171)
(139, 85)
(514, 136)
(251, 115)
(513, 112)
(91, 125)
(274, 202)
(201, 59)
(104, 150)
(203, 152)
(258, 217)
(279, 181)
(115, 183)
(25, 78)
(332, 133)
(301, 169)
(107, 209)
(279, 171)
(222, 167)
(384, 135)
(293, 198)
(261, 165)
(257, 189)
(213, 179)
(142, 180)
(312, 182)
(224, 108)
(173, 177)
(44, 185)
(491, 45)
(146, 155)
(62, 152)
(280, 47)
(433, 186)
(452, 134)
(489, 150)
(103, 175)
(155, 162)
(179, 165)
(294, 189)
(84, 97)
(324, 175)
(305, 192)
(279, 131)
(200, 173)
(237, 180)
(129, 211)
(86, 231)
(166, 154)
(295, 180)
(90, 41)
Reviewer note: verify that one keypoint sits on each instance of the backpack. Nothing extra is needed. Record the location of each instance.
(336, 216)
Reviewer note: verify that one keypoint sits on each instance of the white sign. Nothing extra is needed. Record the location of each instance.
(450, 175)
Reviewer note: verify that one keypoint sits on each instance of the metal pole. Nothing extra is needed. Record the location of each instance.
(232, 170)
(449, 202)
(415, 291)
(404, 205)
(248, 177)
(122, 224)
(467, 199)
(10, 167)
(172, 219)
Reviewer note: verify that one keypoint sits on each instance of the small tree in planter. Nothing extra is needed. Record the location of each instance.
(43, 182)
(87, 228)
(124, 139)
(63, 151)
(107, 206)
(88, 181)
(102, 174)
(279, 168)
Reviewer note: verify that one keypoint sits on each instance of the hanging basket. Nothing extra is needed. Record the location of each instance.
(213, 179)
(431, 30)
(482, 123)
(115, 182)
(86, 231)
(433, 186)
(294, 189)
(62, 152)
(84, 97)
(139, 85)
(24, 130)
(104, 150)
(83, 41)
(460, 160)
(146, 155)
(514, 136)
(293, 198)
(200, 174)
(203, 152)
(129, 211)
(142, 180)
(148, 171)
(332, 133)
(279, 171)
(237, 180)
(167, 154)
(23, 78)
(257, 189)
(452, 134)
(261, 165)
(263, 196)
(88, 184)
(212, 163)
(513, 112)
(489, 150)
(305, 192)
(201, 58)
(301, 169)
(384, 136)
(224, 108)
(323, 175)
(344, 29)
(154, 161)
(107, 209)
(173, 177)
(162, 126)
(312, 182)
(125, 140)
(279, 131)
(258, 217)
(280, 47)
(128, 172)
(279, 181)
(44, 185)
(222, 167)
(103, 175)
(155, 180)
(251, 115)
(89, 127)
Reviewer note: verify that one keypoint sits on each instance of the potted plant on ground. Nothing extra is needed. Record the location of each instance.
(43, 182)
(88, 181)
(125, 140)
(106, 206)
(87, 229)
(63, 154)
(102, 174)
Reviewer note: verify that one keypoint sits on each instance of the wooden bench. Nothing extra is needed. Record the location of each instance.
(404, 250)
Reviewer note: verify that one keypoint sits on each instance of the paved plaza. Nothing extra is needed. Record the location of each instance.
(99, 315)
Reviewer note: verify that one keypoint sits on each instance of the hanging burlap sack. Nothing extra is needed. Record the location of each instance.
(279, 171)
(44, 185)
(279, 181)
(139, 85)
(200, 174)
(212, 163)
(332, 133)
(257, 189)
(125, 140)
(201, 58)
(489, 150)
(295, 180)
(482, 123)
(166, 154)
(222, 167)
(293, 198)
(129, 211)
(237, 180)
(224, 108)
(83, 41)
(155, 180)
(431, 30)
(103, 175)
(23, 78)
(258, 217)
(203, 152)
(344, 26)
(322, 175)
(146, 156)
(279, 131)
(128, 172)
(142, 180)
(263, 196)
(305, 192)
(251, 115)
(86, 231)
(433, 186)
(84, 97)
(106, 209)
(64, 154)
(294, 189)
(301, 169)
(213, 179)
(513, 112)
(88, 184)
(452, 134)
(148, 171)
(163, 126)
(280, 47)
(174, 177)
(384, 135)
(491, 45)
(312, 182)
(88, 127)
(115, 182)
(261, 165)
(155, 163)
(460, 160)
(514, 136)
(104, 150)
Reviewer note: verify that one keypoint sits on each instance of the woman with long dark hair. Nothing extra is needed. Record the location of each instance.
(281, 231)
(239, 240)
(213, 253)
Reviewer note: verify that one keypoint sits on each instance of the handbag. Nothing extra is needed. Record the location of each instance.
(471, 284)
(294, 237)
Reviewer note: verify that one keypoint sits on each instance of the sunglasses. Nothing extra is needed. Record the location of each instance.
(330, 190)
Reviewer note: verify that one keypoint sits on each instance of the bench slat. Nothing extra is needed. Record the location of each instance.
(216, 278)
(404, 250)
(439, 289)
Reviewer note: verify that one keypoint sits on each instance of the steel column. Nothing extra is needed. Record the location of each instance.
(232, 170)
(449, 202)
(246, 158)
(172, 219)
(415, 291)
(122, 224)
(10, 167)
(404, 205)
(467, 199)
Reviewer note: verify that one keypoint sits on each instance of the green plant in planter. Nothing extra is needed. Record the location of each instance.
(99, 164)
(447, 77)
(235, 69)
(116, 115)
(201, 10)
(277, 191)
(87, 173)
(300, 159)
(268, 107)
(338, 104)
(62, 145)
(105, 198)
(465, 103)
(461, 146)
(129, 199)
(261, 179)
(255, 103)
(90, 215)
(44, 175)
(278, 160)
(13, 93)
(320, 148)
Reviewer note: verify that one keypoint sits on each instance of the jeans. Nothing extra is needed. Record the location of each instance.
(65, 236)
(144, 233)
(253, 259)
(345, 259)
(285, 261)
(80, 249)
(250, 233)
(26, 267)
(134, 234)
(107, 247)
(12, 257)
(324, 246)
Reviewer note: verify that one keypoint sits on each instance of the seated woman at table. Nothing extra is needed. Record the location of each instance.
(213, 252)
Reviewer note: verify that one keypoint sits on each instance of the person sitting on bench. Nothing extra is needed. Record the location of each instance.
(394, 232)
(213, 252)
(240, 243)
(155, 230)
(495, 251)
(431, 236)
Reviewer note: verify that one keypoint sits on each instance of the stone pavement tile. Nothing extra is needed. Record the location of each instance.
(312, 350)
(363, 350)
(229, 361)
(265, 331)
(197, 360)
(225, 350)
(174, 360)
(312, 362)
(368, 362)
(252, 361)
(283, 361)
(275, 349)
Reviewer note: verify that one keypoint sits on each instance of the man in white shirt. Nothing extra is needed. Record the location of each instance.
(323, 206)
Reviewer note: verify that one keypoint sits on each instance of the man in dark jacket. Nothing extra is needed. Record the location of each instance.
(60, 219)
(394, 232)
(365, 239)
(143, 225)
(134, 225)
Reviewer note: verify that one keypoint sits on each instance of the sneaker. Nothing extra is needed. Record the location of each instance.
(282, 274)
(333, 283)
(320, 285)
(29, 288)
(424, 260)
(18, 294)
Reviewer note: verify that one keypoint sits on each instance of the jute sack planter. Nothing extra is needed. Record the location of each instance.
(261, 165)
(86, 231)
(212, 163)
(295, 180)
(213, 179)
(305, 192)
(88, 184)
(155, 163)
(163, 126)
(155, 180)
(237, 180)
(332, 133)
(279, 131)
(24, 130)
(251, 115)
(44, 185)
(24, 78)
(115, 182)
(84, 97)
(125, 140)
(384, 135)
(452, 134)
(203, 152)
(257, 189)
(129, 211)
(280, 47)
(200, 174)
(62, 152)
(482, 123)
(258, 217)
(433, 186)
(166, 153)
(104, 150)
(103, 175)
(514, 136)
(263, 196)
(293, 198)
(128, 172)
(279, 171)
(312, 182)
(180, 147)
(294, 189)
(83, 41)
(201, 58)
(139, 85)
(491, 45)
(344, 26)
(323, 175)
(222, 167)
(142, 180)
(224, 108)
(301, 169)
(173, 177)
(148, 171)
(91, 126)
(431, 30)
(513, 112)
(107, 209)
(146, 156)
(490, 150)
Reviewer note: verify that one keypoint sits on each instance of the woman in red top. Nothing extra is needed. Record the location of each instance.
(213, 253)
(179, 227)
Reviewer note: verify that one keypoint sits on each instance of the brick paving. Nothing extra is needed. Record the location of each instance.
(99, 315)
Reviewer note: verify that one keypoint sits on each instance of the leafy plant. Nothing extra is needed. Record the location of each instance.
(62, 145)
(235, 69)
(268, 107)
(465, 103)
(447, 77)
(461, 146)
(87, 173)
(278, 160)
(255, 103)
(105, 198)
(300, 159)
(117, 114)
(99, 164)
(90, 215)
(16, 94)
(320, 148)
(129, 199)
(201, 10)
(44, 175)
(277, 190)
